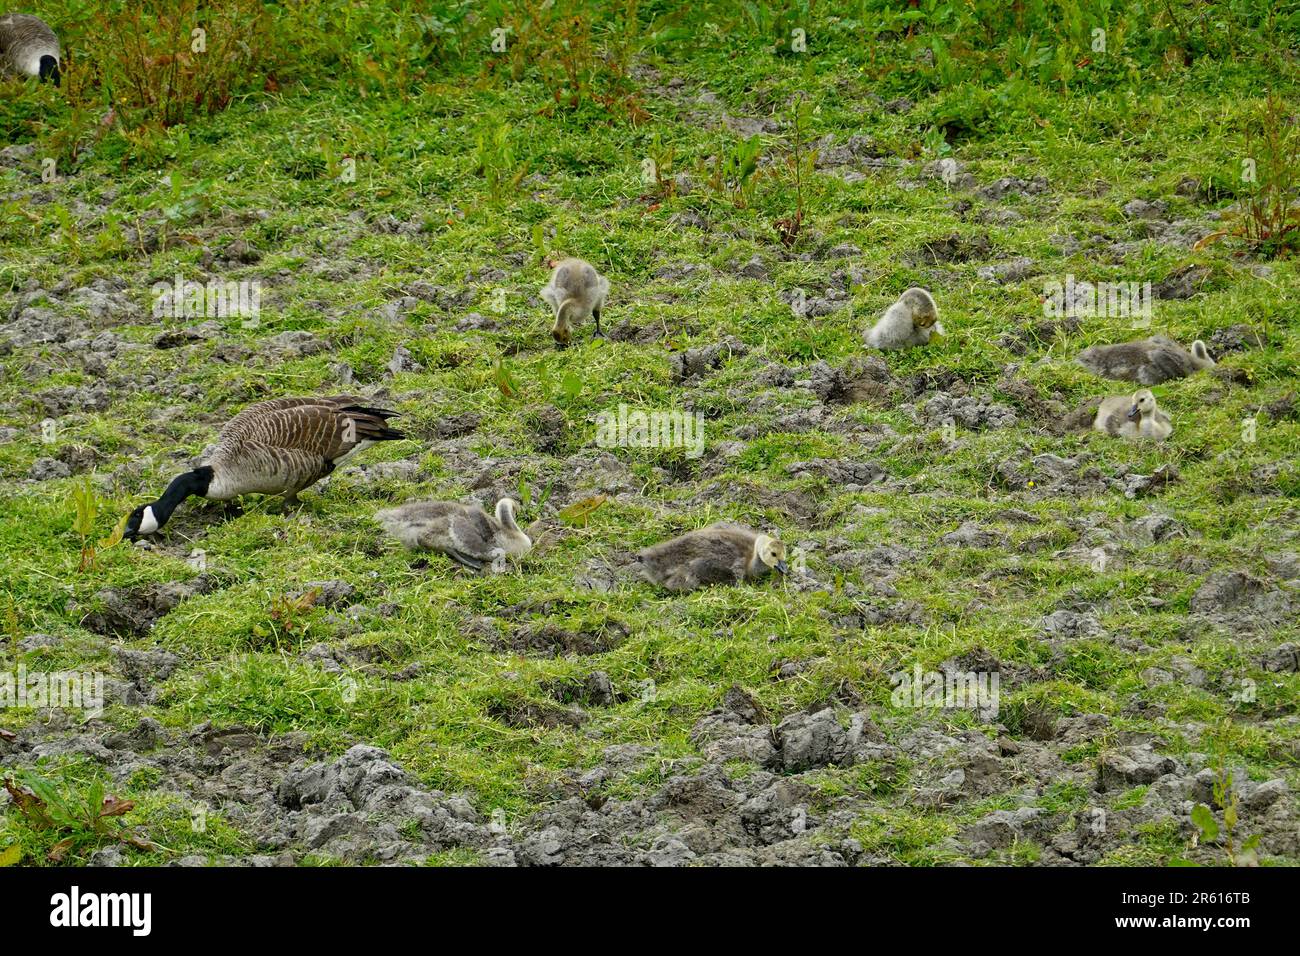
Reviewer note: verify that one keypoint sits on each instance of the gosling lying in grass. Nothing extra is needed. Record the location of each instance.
(576, 290)
(465, 533)
(1133, 416)
(722, 553)
(1147, 362)
(909, 321)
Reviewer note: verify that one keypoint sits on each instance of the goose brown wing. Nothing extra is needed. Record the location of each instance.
(237, 425)
(247, 467)
(318, 427)
(20, 29)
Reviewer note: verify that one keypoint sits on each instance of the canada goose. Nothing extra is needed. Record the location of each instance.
(909, 321)
(1133, 416)
(722, 553)
(278, 447)
(576, 290)
(1147, 362)
(465, 533)
(28, 47)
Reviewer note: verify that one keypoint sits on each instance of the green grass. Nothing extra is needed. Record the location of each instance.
(265, 179)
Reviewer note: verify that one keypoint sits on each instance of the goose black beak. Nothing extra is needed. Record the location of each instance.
(782, 567)
(1134, 413)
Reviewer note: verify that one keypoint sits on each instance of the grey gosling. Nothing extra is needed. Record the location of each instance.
(576, 290)
(909, 321)
(28, 47)
(278, 447)
(1147, 362)
(1133, 416)
(465, 533)
(722, 553)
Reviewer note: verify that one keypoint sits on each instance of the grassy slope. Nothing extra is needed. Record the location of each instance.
(414, 163)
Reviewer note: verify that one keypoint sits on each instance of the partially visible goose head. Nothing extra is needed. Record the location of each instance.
(770, 553)
(30, 47)
(506, 514)
(924, 312)
(141, 521)
(48, 69)
(1144, 405)
(512, 538)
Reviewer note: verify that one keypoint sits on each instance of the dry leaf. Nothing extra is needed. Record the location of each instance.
(26, 801)
(578, 512)
(139, 842)
(1208, 240)
(116, 806)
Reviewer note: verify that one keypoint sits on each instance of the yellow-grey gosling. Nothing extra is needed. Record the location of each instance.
(465, 533)
(722, 553)
(909, 321)
(576, 291)
(1133, 416)
(1147, 362)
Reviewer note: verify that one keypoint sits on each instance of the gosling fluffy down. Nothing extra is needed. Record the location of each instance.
(1147, 362)
(1133, 416)
(576, 290)
(909, 321)
(465, 533)
(722, 553)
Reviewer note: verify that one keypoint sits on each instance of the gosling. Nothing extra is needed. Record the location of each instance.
(576, 291)
(909, 321)
(722, 553)
(465, 533)
(1134, 416)
(1147, 362)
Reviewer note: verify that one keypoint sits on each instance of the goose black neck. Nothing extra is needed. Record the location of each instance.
(182, 486)
(50, 69)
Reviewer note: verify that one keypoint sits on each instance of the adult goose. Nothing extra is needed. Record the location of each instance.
(28, 47)
(278, 447)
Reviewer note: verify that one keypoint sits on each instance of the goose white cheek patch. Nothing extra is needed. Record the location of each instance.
(148, 523)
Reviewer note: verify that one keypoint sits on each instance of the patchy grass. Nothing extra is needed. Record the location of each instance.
(424, 240)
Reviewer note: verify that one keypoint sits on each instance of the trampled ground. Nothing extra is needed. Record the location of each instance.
(1136, 602)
